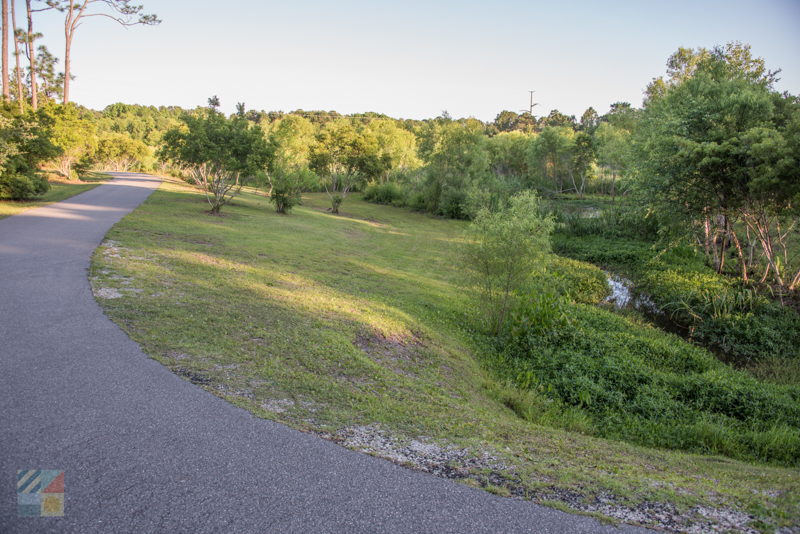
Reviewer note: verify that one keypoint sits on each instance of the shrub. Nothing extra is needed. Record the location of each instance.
(503, 250)
(22, 186)
(287, 186)
(453, 204)
(575, 280)
(389, 193)
(638, 384)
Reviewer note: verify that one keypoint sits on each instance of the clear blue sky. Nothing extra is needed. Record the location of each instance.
(411, 58)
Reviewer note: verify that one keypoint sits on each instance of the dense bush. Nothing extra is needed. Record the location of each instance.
(713, 309)
(722, 313)
(575, 280)
(21, 186)
(638, 384)
(287, 185)
(389, 193)
(502, 250)
(25, 142)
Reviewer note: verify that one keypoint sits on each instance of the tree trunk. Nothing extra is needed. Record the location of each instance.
(66, 67)
(613, 185)
(68, 33)
(32, 57)
(739, 250)
(20, 95)
(6, 89)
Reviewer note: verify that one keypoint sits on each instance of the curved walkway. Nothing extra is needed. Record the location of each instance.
(145, 451)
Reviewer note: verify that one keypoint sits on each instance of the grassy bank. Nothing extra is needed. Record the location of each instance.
(357, 328)
(60, 189)
(746, 325)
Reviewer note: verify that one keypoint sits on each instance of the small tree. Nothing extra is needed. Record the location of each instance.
(503, 251)
(220, 153)
(287, 185)
(74, 136)
(118, 152)
(340, 156)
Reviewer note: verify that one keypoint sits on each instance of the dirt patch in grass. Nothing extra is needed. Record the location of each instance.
(394, 352)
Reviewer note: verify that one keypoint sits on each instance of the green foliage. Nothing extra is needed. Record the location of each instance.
(119, 152)
(345, 157)
(24, 144)
(637, 384)
(574, 280)
(221, 153)
(713, 309)
(619, 254)
(22, 187)
(718, 146)
(72, 133)
(388, 193)
(503, 250)
(208, 138)
(147, 124)
(721, 313)
(292, 138)
(287, 186)
(459, 160)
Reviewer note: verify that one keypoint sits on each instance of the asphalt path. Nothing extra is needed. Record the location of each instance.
(145, 451)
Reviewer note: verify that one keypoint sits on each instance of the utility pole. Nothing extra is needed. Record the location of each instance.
(530, 109)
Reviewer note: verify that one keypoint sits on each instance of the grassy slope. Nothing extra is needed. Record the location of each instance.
(330, 324)
(59, 190)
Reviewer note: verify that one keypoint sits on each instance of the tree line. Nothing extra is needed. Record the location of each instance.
(711, 157)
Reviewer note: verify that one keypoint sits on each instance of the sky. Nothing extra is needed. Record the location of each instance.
(410, 59)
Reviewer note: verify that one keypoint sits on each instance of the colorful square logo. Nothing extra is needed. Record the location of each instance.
(40, 493)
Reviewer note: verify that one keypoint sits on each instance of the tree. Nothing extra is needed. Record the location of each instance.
(613, 151)
(291, 138)
(589, 120)
(622, 115)
(52, 83)
(396, 148)
(221, 154)
(502, 252)
(287, 185)
(720, 147)
(682, 65)
(73, 135)
(24, 145)
(556, 118)
(460, 159)
(341, 156)
(509, 153)
(30, 51)
(583, 156)
(553, 154)
(18, 71)
(120, 11)
(6, 88)
(118, 152)
(506, 121)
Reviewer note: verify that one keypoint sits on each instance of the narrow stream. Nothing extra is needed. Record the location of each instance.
(623, 296)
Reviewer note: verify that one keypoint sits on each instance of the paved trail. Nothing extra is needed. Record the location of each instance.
(144, 451)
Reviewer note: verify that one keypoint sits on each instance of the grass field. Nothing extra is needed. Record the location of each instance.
(357, 328)
(60, 189)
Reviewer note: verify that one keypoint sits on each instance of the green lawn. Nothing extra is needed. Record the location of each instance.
(356, 327)
(59, 190)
